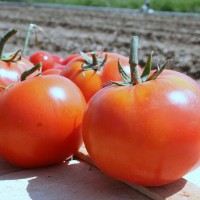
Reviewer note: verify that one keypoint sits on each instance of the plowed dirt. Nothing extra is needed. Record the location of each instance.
(67, 31)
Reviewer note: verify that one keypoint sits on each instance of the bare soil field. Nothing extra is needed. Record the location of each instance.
(68, 31)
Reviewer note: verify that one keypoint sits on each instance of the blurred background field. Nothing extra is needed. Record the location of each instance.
(192, 6)
(69, 29)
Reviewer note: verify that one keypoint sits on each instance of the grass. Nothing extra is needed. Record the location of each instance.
(162, 5)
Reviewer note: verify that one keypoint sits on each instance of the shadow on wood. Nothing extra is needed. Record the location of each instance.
(71, 180)
(179, 190)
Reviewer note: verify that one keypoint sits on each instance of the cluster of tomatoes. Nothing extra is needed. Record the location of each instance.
(139, 126)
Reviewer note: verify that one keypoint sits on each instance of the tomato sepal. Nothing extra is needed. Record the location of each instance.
(30, 71)
(9, 57)
(135, 77)
(95, 62)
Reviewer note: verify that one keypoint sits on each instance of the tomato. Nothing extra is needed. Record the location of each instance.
(69, 58)
(146, 133)
(51, 71)
(10, 72)
(91, 80)
(11, 66)
(41, 121)
(57, 58)
(46, 58)
(58, 66)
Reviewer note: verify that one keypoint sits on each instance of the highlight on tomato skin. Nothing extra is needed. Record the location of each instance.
(46, 58)
(10, 72)
(41, 121)
(12, 65)
(152, 137)
(145, 130)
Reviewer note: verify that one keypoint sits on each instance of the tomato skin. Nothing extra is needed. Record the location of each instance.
(69, 58)
(10, 72)
(148, 134)
(58, 66)
(91, 81)
(82, 79)
(45, 58)
(41, 127)
(51, 71)
(57, 58)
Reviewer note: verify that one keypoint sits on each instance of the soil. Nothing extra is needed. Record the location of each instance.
(68, 31)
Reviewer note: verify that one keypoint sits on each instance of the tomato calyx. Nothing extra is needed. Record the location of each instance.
(24, 75)
(135, 77)
(9, 57)
(94, 62)
(28, 72)
(5, 88)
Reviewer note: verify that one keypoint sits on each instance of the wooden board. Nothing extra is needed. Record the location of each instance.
(78, 180)
(182, 189)
(72, 180)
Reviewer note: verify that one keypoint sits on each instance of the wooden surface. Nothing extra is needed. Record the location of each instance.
(187, 188)
(78, 180)
(74, 180)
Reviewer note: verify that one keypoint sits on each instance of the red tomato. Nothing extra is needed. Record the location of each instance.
(91, 81)
(59, 66)
(57, 58)
(12, 65)
(69, 58)
(10, 72)
(51, 71)
(147, 134)
(41, 121)
(45, 58)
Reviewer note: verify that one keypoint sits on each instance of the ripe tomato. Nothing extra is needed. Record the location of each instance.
(45, 58)
(69, 58)
(146, 129)
(11, 64)
(99, 72)
(41, 121)
(57, 58)
(10, 72)
(58, 66)
(51, 71)
(148, 134)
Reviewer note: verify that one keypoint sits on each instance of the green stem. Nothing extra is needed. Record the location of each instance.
(28, 34)
(133, 61)
(28, 72)
(4, 39)
(94, 59)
